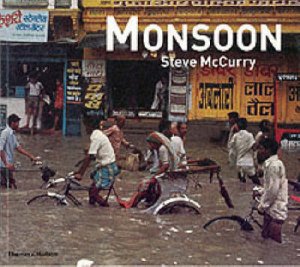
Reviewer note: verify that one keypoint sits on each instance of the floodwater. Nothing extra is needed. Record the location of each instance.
(61, 235)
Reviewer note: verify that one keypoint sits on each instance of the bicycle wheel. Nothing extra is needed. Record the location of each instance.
(43, 200)
(178, 206)
(229, 223)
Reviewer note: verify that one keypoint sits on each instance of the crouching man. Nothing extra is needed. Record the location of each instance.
(149, 190)
(274, 201)
(101, 150)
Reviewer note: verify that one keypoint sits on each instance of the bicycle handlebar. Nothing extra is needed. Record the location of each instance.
(38, 161)
(71, 174)
(69, 177)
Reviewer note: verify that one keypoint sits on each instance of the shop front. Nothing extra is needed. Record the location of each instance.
(210, 91)
(36, 40)
(125, 85)
(47, 63)
(132, 87)
(217, 91)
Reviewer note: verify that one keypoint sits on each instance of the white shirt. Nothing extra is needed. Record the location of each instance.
(178, 147)
(152, 155)
(163, 155)
(101, 147)
(160, 90)
(258, 136)
(274, 200)
(241, 144)
(35, 88)
(231, 134)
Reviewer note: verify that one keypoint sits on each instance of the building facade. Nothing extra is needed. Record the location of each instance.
(71, 45)
(213, 91)
(37, 37)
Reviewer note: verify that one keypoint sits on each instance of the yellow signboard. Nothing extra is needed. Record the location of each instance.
(217, 91)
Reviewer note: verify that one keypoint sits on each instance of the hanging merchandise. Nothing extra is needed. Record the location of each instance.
(178, 94)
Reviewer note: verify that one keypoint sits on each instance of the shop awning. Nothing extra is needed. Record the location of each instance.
(61, 41)
(98, 40)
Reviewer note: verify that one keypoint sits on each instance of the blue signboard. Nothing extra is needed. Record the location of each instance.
(24, 25)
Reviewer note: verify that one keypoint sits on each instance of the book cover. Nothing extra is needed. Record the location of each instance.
(65, 62)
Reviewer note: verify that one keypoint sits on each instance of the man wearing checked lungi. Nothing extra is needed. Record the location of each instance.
(106, 170)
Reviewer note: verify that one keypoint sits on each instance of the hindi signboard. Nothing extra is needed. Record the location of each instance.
(74, 89)
(24, 25)
(73, 98)
(93, 68)
(95, 97)
(290, 141)
(288, 77)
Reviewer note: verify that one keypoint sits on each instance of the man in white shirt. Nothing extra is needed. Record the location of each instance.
(102, 151)
(177, 142)
(33, 100)
(161, 89)
(274, 201)
(232, 128)
(241, 144)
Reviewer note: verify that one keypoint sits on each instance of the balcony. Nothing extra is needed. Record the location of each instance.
(191, 12)
(190, 3)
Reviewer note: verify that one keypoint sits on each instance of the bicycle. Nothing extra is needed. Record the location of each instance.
(245, 223)
(167, 195)
(62, 197)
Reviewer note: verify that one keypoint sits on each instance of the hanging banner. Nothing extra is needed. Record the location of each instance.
(178, 91)
(24, 25)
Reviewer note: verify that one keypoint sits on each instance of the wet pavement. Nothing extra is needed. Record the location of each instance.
(61, 235)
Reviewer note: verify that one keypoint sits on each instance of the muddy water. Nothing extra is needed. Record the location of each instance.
(63, 235)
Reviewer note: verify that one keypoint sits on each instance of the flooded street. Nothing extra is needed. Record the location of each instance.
(61, 235)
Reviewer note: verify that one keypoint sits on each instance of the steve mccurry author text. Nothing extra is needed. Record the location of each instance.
(208, 61)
